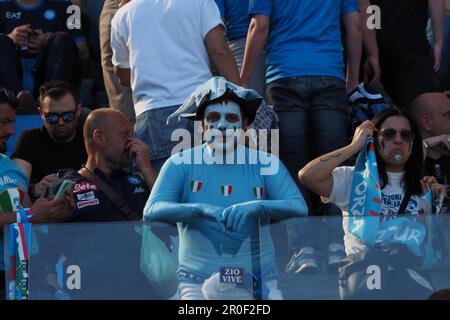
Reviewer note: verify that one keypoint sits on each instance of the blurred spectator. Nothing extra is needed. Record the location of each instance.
(120, 97)
(59, 144)
(14, 185)
(111, 148)
(37, 44)
(165, 66)
(235, 15)
(432, 112)
(306, 84)
(408, 68)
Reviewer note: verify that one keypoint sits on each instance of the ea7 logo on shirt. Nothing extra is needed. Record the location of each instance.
(84, 186)
(13, 15)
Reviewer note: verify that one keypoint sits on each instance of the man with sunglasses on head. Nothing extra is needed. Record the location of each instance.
(58, 144)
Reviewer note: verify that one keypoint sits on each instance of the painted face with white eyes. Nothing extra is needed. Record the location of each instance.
(221, 121)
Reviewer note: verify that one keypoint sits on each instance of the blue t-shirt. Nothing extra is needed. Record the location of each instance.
(304, 37)
(11, 177)
(236, 18)
(204, 246)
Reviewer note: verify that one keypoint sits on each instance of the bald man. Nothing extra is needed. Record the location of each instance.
(110, 148)
(432, 113)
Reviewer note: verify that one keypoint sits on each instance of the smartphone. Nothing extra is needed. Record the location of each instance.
(65, 186)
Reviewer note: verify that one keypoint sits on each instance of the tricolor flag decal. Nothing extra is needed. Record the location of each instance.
(196, 186)
(226, 190)
(11, 200)
(258, 192)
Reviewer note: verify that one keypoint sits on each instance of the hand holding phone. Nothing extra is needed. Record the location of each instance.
(67, 185)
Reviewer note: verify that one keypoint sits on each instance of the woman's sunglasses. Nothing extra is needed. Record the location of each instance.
(53, 118)
(389, 134)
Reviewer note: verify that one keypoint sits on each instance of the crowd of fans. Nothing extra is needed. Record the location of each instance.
(320, 66)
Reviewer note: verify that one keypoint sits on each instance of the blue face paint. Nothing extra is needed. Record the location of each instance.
(221, 121)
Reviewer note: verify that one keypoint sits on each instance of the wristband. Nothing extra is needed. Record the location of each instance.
(31, 215)
(25, 215)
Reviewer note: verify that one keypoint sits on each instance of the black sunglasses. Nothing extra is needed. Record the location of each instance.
(389, 134)
(53, 117)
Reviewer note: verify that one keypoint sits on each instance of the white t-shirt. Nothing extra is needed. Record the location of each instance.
(162, 42)
(392, 195)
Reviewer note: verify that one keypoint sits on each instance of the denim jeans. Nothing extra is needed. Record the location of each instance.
(151, 128)
(314, 116)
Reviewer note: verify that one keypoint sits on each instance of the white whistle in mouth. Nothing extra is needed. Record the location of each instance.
(398, 157)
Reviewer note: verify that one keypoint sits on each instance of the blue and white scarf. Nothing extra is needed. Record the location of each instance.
(365, 198)
(365, 212)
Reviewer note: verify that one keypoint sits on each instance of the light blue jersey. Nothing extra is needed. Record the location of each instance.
(204, 245)
(11, 177)
(305, 36)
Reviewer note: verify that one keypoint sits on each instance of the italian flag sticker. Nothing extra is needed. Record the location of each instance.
(196, 186)
(258, 192)
(11, 199)
(226, 190)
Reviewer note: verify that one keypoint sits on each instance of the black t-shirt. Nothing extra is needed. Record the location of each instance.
(403, 26)
(107, 261)
(47, 156)
(49, 15)
(94, 206)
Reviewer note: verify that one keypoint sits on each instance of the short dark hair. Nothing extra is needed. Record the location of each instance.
(56, 90)
(414, 165)
(8, 97)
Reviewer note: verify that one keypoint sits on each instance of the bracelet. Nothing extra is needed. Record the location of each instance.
(25, 215)
(425, 144)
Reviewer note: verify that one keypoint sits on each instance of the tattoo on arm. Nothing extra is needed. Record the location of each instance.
(325, 159)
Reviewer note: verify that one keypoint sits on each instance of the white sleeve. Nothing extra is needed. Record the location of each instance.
(120, 57)
(210, 17)
(342, 186)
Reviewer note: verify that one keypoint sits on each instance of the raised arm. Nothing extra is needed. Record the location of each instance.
(437, 9)
(317, 175)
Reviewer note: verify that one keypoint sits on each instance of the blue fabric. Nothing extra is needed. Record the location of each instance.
(10, 177)
(151, 128)
(305, 36)
(236, 18)
(365, 210)
(204, 244)
(365, 198)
